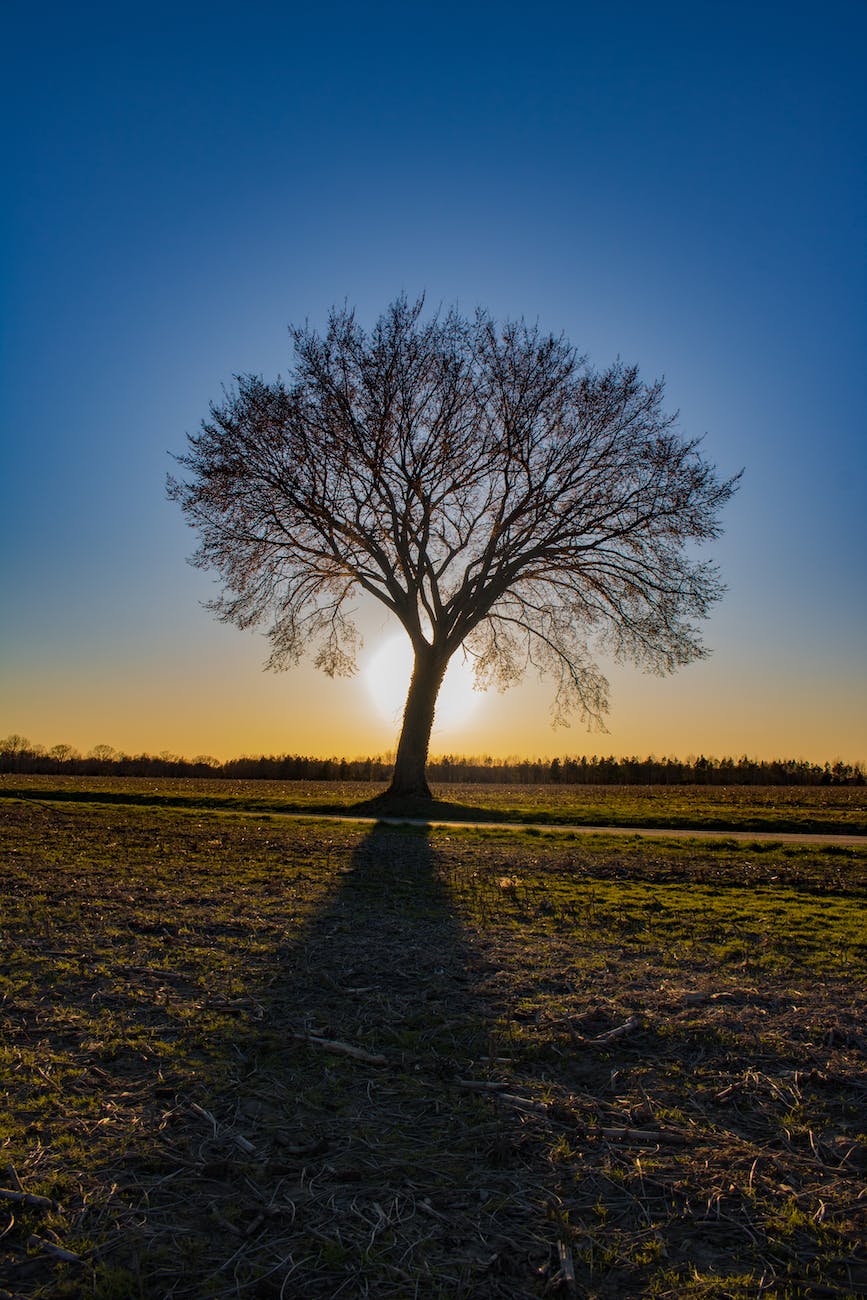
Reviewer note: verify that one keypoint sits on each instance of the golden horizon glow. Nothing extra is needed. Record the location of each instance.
(209, 695)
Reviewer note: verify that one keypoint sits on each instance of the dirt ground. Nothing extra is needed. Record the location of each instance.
(249, 1058)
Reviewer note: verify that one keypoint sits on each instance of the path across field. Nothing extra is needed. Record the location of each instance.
(832, 815)
(251, 1050)
(643, 832)
(273, 799)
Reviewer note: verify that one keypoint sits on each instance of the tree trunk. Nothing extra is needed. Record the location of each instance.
(412, 749)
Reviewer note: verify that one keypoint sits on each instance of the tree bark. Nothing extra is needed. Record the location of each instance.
(408, 779)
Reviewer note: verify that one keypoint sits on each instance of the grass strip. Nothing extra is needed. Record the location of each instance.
(807, 810)
(664, 1042)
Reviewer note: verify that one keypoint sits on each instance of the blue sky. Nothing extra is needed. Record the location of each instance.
(680, 185)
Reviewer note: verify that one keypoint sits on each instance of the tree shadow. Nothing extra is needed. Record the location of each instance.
(344, 1154)
(302, 1126)
(406, 807)
(383, 805)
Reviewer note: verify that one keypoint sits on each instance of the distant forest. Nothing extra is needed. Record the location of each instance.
(17, 754)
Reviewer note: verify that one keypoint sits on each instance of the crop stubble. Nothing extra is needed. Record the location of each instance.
(245, 1057)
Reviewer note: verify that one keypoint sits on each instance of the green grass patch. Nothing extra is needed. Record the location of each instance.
(643, 1057)
(809, 810)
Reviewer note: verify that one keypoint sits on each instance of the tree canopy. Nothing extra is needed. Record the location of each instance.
(486, 484)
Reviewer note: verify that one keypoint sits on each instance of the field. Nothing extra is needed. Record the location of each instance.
(814, 809)
(244, 1055)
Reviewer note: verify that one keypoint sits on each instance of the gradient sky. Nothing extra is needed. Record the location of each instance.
(682, 185)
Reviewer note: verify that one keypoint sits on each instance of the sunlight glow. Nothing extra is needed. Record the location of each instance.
(387, 675)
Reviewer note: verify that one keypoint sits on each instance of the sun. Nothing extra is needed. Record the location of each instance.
(387, 675)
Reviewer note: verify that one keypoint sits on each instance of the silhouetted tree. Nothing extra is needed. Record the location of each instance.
(15, 744)
(482, 482)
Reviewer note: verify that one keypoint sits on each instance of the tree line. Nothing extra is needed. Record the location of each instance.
(17, 754)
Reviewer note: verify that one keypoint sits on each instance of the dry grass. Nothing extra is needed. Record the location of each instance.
(807, 809)
(665, 1043)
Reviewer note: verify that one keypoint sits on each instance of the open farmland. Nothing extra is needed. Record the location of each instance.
(247, 1056)
(806, 809)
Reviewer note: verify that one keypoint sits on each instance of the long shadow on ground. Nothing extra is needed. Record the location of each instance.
(345, 1158)
(600, 813)
(260, 1034)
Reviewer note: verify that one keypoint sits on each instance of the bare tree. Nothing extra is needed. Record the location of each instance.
(482, 482)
